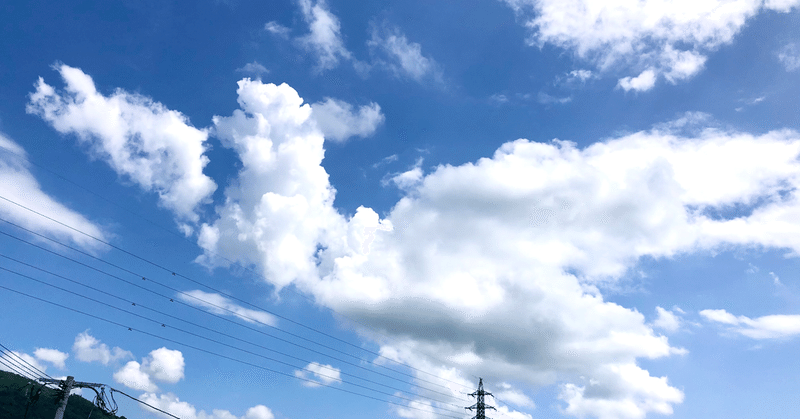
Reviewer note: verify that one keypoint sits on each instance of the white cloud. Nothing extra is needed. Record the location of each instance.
(27, 366)
(766, 327)
(281, 203)
(618, 391)
(401, 56)
(789, 56)
(582, 75)
(169, 402)
(533, 230)
(253, 68)
(672, 38)
(218, 304)
(320, 375)
(140, 139)
(338, 121)
(53, 356)
(88, 349)
(641, 83)
(508, 394)
(775, 279)
(667, 320)
(259, 412)
(407, 180)
(17, 184)
(276, 28)
(418, 409)
(132, 376)
(324, 38)
(164, 365)
(546, 99)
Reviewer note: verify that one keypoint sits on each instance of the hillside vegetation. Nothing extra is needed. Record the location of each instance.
(18, 394)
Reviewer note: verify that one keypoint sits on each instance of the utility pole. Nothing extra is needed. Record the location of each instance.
(67, 385)
(480, 406)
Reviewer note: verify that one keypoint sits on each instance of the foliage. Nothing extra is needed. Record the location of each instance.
(18, 394)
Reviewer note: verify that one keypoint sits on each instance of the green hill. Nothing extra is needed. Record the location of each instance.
(16, 395)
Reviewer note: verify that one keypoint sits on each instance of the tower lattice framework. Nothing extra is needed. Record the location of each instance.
(480, 406)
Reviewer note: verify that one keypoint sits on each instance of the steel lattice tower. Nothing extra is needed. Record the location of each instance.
(480, 406)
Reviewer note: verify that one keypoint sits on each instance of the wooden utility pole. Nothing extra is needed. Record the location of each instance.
(67, 385)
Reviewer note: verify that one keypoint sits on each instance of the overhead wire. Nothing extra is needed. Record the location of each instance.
(202, 327)
(142, 402)
(209, 303)
(25, 364)
(229, 261)
(378, 355)
(132, 329)
(15, 369)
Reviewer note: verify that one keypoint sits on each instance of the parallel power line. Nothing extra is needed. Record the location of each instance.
(128, 210)
(21, 363)
(221, 308)
(197, 348)
(208, 303)
(157, 322)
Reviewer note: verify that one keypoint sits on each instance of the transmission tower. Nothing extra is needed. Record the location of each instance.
(480, 406)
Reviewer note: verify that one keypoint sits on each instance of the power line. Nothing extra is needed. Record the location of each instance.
(228, 295)
(15, 368)
(218, 354)
(206, 328)
(229, 261)
(29, 367)
(142, 402)
(207, 303)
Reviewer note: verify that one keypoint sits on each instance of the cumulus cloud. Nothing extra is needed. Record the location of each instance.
(324, 39)
(52, 356)
(618, 392)
(163, 365)
(535, 230)
(169, 402)
(319, 375)
(339, 121)
(402, 57)
(281, 203)
(218, 304)
(641, 83)
(671, 38)
(87, 348)
(766, 327)
(132, 376)
(17, 184)
(140, 139)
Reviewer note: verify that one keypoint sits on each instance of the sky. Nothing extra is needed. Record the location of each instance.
(324, 209)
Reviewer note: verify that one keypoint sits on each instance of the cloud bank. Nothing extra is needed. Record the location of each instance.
(653, 37)
(496, 267)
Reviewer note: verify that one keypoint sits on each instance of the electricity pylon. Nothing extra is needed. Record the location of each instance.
(480, 406)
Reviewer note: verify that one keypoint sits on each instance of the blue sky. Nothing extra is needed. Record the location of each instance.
(354, 210)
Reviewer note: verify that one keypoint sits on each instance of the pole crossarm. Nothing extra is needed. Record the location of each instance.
(79, 384)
